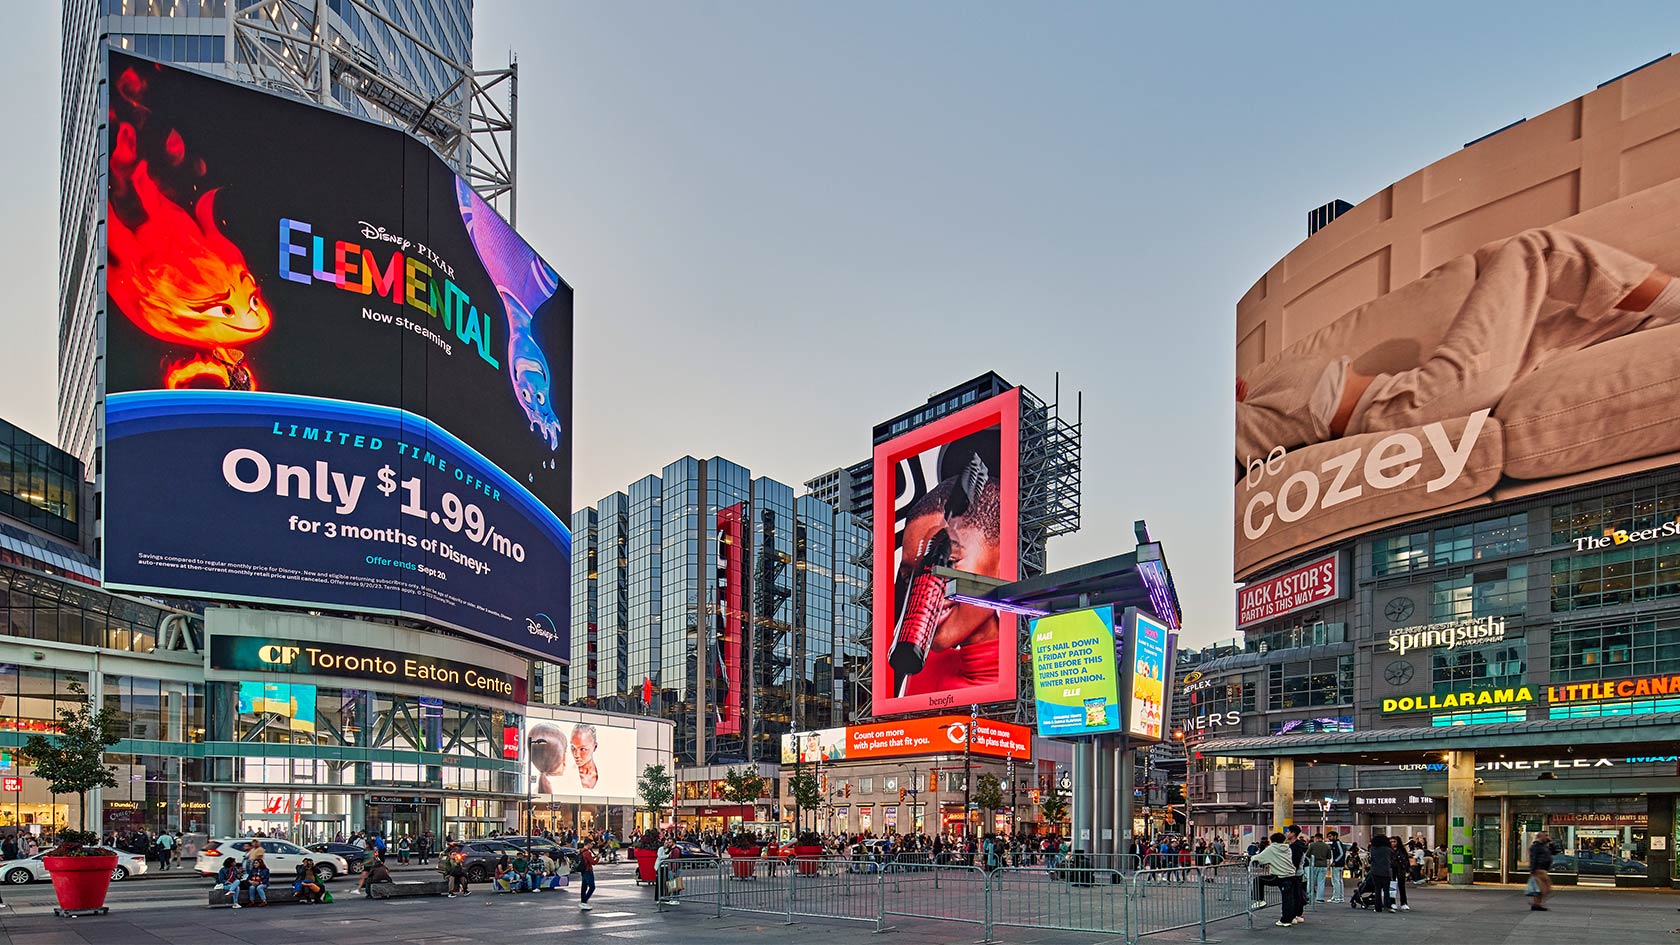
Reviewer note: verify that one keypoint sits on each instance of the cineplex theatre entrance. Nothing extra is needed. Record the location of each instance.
(1593, 786)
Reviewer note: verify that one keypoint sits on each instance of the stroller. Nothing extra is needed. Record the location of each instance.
(1365, 897)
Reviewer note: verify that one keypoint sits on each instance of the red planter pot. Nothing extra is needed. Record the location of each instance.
(805, 858)
(644, 864)
(80, 882)
(742, 861)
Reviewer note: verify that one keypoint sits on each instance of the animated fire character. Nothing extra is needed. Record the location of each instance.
(173, 273)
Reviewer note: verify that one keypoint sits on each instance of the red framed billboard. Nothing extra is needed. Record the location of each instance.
(731, 580)
(954, 503)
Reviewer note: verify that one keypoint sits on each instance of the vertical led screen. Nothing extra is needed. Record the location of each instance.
(726, 642)
(335, 377)
(1146, 648)
(953, 503)
(1074, 679)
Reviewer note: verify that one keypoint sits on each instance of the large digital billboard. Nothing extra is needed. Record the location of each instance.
(1532, 359)
(335, 377)
(1147, 644)
(933, 735)
(581, 760)
(1074, 679)
(952, 503)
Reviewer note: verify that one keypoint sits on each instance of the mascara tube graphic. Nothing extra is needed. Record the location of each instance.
(924, 604)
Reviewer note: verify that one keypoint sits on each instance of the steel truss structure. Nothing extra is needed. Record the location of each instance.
(302, 48)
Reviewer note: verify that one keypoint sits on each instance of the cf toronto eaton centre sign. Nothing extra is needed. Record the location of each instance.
(1446, 636)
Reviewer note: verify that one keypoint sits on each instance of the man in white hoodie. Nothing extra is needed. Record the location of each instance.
(1279, 864)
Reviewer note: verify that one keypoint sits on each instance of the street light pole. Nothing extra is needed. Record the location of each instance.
(968, 770)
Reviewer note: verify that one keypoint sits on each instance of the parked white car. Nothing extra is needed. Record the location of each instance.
(30, 869)
(283, 858)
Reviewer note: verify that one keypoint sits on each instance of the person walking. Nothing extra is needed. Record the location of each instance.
(1540, 872)
(1402, 871)
(1338, 863)
(1318, 868)
(1379, 867)
(586, 869)
(166, 849)
(1276, 860)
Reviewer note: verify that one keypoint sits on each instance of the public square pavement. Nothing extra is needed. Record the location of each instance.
(155, 913)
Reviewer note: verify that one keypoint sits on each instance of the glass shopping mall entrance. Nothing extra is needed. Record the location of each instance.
(1604, 790)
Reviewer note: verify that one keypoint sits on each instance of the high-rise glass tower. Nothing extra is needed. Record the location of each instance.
(204, 35)
(730, 601)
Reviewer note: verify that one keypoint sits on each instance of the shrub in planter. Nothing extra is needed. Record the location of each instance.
(81, 870)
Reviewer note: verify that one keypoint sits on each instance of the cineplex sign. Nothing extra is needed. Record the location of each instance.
(1643, 687)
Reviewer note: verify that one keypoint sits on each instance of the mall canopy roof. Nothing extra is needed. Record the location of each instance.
(1548, 738)
(1139, 579)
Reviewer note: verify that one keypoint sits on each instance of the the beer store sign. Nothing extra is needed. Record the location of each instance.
(1623, 536)
(1447, 636)
(270, 655)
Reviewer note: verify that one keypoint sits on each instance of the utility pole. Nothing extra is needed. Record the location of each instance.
(1014, 819)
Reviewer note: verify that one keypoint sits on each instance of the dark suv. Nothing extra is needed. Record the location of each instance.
(478, 857)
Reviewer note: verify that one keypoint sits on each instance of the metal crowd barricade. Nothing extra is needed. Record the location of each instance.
(931, 891)
(1077, 898)
(1076, 895)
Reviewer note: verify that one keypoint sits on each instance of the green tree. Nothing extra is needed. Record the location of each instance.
(72, 760)
(1053, 805)
(654, 788)
(988, 794)
(742, 787)
(806, 790)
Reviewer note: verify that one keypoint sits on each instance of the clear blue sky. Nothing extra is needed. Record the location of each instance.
(787, 221)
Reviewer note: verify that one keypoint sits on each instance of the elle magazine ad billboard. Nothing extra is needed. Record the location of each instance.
(335, 376)
(955, 488)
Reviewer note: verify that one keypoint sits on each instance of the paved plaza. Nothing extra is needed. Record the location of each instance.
(167, 911)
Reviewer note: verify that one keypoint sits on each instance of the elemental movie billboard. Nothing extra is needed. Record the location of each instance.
(952, 503)
(1074, 679)
(583, 760)
(1488, 329)
(335, 376)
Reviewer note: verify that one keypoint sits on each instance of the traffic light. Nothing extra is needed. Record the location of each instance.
(933, 781)
(824, 785)
(848, 790)
(901, 795)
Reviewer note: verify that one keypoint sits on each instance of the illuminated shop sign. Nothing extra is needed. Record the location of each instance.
(1520, 695)
(1544, 764)
(1622, 536)
(1643, 687)
(1447, 636)
(265, 654)
(1213, 720)
(1391, 801)
(1311, 584)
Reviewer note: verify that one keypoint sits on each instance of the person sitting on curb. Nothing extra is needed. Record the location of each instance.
(458, 883)
(506, 879)
(229, 877)
(375, 872)
(307, 886)
(256, 882)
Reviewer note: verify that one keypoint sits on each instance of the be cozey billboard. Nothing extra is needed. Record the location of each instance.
(1484, 330)
(335, 376)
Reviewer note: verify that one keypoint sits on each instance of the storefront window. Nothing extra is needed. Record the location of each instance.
(1457, 544)
(1630, 510)
(1301, 684)
(1489, 667)
(1638, 572)
(1616, 649)
(1490, 592)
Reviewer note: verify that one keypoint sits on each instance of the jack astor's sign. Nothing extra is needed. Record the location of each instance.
(1446, 636)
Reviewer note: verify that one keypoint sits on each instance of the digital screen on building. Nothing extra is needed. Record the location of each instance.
(727, 619)
(335, 376)
(934, 735)
(294, 701)
(1074, 679)
(952, 502)
(1475, 362)
(1146, 643)
(581, 760)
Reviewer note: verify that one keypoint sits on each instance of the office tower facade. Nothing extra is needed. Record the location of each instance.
(202, 34)
(727, 599)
